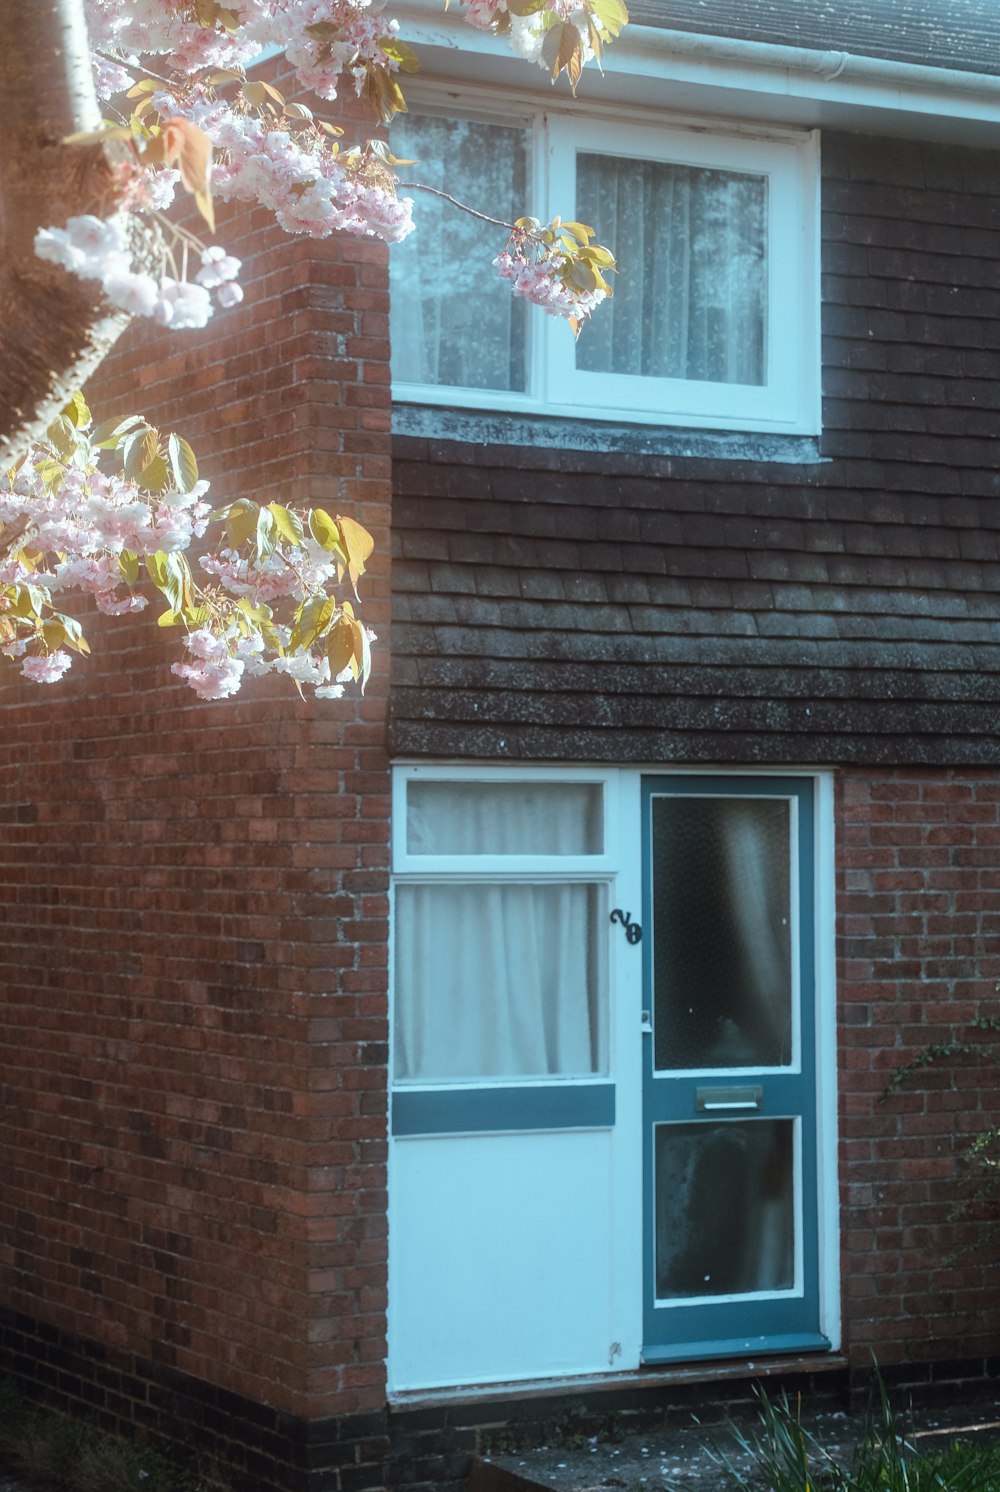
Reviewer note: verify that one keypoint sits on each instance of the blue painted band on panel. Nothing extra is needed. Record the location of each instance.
(479, 1110)
(748, 1347)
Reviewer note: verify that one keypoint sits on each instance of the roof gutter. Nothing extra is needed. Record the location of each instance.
(686, 70)
(848, 67)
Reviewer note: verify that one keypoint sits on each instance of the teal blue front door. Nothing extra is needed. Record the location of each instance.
(731, 1248)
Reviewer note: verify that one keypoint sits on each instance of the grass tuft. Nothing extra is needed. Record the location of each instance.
(53, 1452)
(784, 1456)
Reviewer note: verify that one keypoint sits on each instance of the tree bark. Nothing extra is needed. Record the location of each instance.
(55, 329)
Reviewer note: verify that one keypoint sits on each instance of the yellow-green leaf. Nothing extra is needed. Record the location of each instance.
(241, 522)
(267, 534)
(358, 544)
(610, 14)
(76, 411)
(313, 618)
(182, 463)
(289, 524)
(403, 55)
(562, 51)
(155, 477)
(140, 448)
(340, 645)
(326, 533)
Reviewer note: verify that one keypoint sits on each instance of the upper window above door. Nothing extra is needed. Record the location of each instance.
(714, 318)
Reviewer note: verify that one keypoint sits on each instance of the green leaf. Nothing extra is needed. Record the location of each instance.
(258, 94)
(61, 435)
(597, 254)
(50, 474)
(108, 434)
(358, 544)
(562, 51)
(288, 524)
(139, 449)
(362, 655)
(610, 14)
(340, 645)
(580, 231)
(155, 477)
(313, 618)
(128, 567)
(267, 534)
(169, 618)
(241, 522)
(73, 633)
(76, 411)
(171, 575)
(404, 56)
(326, 533)
(182, 463)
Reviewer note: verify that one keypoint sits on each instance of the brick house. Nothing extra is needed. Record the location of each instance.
(679, 759)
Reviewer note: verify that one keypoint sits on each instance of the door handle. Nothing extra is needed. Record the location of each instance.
(717, 1100)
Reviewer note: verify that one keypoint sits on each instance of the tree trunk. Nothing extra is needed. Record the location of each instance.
(55, 329)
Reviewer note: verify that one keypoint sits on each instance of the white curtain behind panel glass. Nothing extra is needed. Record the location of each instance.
(453, 321)
(690, 298)
(501, 979)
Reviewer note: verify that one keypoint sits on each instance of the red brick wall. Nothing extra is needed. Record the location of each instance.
(919, 956)
(194, 914)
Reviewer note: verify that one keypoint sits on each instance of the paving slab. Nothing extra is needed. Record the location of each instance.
(686, 1459)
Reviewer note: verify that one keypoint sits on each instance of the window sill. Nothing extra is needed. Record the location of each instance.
(476, 427)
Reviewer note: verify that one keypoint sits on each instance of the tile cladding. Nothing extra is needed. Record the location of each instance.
(562, 605)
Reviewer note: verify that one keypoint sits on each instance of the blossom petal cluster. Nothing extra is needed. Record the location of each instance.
(309, 188)
(321, 38)
(103, 513)
(98, 249)
(543, 282)
(273, 155)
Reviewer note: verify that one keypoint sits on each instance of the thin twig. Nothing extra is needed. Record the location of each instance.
(419, 186)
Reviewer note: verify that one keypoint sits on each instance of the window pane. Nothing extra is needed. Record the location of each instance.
(499, 981)
(725, 1215)
(452, 319)
(722, 949)
(690, 300)
(504, 818)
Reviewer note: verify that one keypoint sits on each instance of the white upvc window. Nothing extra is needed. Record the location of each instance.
(500, 939)
(714, 320)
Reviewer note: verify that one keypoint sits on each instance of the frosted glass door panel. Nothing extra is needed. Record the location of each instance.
(724, 1206)
(722, 936)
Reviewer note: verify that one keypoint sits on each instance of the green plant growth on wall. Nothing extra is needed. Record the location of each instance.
(979, 1201)
(51, 1452)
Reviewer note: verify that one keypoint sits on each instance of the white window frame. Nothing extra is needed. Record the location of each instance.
(588, 869)
(789, 402)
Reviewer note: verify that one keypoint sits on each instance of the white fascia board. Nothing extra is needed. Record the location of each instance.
(687, 73)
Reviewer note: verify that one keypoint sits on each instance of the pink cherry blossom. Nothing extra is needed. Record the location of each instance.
(47, 669)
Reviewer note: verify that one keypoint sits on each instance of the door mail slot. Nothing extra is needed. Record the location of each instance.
(721, 1100)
